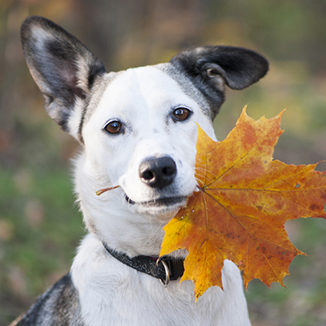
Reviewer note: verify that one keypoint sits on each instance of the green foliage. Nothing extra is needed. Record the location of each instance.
(41, 228)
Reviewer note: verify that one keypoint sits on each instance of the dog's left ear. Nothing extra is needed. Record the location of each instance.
(209, 66)
(62, 67)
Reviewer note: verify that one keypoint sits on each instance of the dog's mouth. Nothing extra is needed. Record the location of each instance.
(159, 202)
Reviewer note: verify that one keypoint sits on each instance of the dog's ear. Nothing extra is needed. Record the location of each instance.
(62, 67)
(210, 66)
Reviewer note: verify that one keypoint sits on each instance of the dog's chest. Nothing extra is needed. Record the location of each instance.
(111, 293)
(144, 303)
(141, 300)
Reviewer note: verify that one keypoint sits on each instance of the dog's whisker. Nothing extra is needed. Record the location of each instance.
(201, 168)
(203, 172)
(101, 191)
(200, 175)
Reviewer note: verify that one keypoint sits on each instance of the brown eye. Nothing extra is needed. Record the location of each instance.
(114, 127)
(181, 114)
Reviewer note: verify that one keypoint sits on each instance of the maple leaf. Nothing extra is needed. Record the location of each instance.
(243, 200)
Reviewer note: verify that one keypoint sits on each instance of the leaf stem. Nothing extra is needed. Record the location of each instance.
(101, 191)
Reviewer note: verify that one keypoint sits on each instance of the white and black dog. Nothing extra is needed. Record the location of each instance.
(138, 131)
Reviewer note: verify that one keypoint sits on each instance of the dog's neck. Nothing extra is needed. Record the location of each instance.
(110, 219)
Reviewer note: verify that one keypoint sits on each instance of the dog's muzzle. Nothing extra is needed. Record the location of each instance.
(157, 172)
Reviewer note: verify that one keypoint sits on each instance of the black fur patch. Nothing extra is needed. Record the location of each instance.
(58, 306)
(53, 56)
(95, 69)
(238, 67)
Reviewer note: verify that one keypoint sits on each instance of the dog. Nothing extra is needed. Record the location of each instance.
(137, 129)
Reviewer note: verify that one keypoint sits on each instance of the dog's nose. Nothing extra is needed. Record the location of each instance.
(158, 172)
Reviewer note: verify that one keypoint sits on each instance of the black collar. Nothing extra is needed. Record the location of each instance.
(165, 268)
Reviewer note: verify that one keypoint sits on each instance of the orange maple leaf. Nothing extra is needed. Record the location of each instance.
(244, 199)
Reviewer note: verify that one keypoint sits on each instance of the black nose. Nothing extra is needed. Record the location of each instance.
(157, 172)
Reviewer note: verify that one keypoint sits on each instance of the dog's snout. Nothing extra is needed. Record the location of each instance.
(158, 172)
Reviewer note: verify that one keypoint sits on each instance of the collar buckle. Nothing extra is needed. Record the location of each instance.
(165, 281)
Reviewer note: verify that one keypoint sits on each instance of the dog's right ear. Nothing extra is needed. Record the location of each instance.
(62, 67)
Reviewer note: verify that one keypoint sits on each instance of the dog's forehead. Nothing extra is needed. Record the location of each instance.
(148, 85)
(146, 82)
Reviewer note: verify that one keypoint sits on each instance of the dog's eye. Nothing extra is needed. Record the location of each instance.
(113, 127)
(181, 114)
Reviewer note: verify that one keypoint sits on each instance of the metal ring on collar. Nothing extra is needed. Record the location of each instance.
(167, 271)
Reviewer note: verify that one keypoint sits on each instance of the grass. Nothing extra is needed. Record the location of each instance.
(41, 227)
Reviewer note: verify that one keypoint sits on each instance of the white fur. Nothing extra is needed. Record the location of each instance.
(114, 294)
(75, 117)
(110, 292)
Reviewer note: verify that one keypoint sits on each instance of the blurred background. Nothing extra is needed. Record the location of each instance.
(40, 225)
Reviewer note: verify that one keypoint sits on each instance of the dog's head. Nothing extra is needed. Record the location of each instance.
(138, 126)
